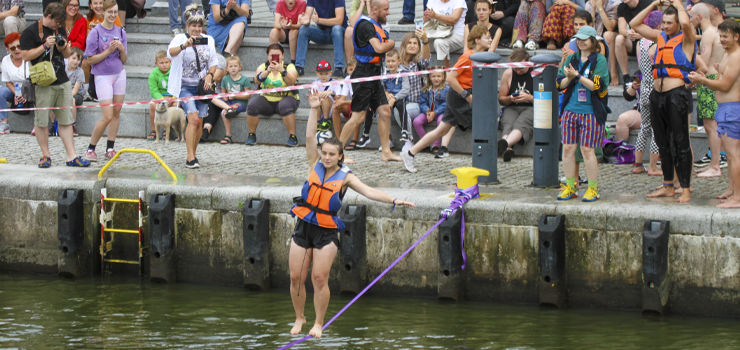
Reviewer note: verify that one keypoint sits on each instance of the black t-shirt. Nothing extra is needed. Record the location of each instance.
(30, 40)
(628, 13)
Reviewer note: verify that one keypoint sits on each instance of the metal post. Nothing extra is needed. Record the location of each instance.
(485, 116)
(546, 125)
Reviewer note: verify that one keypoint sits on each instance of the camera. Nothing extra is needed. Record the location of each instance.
(61, 41)
(200, 41)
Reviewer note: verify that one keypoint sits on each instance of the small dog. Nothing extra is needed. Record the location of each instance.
(166, 117)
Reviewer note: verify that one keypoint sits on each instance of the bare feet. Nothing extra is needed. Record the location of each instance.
(638, 169)
(685, 197)
(614, 81)
(655, 172)
(297, 326)
(390, 157)
(348, 161)
(316, 331)
(663, 191)
(700, 170)
(725, 195)
(729, 204)
(709, 172)
(679, 190)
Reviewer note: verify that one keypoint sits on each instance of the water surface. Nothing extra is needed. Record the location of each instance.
(46, 312)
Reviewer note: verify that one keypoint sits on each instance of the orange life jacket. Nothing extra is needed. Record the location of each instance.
(671, 61)
(320, 200)
(367, 53)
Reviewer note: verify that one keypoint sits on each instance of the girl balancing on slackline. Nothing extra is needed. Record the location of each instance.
(319, 226)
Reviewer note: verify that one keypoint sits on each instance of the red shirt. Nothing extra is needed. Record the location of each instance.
(291, 15)
(78, 35)
(465, 76)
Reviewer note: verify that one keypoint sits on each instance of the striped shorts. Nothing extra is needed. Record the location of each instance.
(581, 129)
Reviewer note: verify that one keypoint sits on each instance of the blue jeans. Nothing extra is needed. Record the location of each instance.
(409, 8)
(6, 97)
(174, 20)
(190, 106)
(333, 35)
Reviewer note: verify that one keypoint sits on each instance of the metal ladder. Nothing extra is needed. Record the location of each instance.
(105, 218)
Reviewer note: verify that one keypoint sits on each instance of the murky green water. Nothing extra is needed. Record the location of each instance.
(42, 312)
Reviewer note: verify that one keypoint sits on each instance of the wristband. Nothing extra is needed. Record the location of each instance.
(284, 73)
(260, 78)
(45, 47)
(181, 48)
(426, 43)
(394, 205)
(578, 77)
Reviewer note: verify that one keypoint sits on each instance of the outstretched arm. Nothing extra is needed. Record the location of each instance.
(645, 31)
(312, 152)
(689, 34)
(373, 193)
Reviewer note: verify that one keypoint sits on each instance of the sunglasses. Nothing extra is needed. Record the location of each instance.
(73, 6)
(13, 48)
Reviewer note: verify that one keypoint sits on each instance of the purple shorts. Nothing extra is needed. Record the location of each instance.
(728, 119)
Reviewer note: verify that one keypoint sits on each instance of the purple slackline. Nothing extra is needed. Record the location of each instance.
(461, 196)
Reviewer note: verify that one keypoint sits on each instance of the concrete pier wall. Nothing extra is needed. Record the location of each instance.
(603, 242)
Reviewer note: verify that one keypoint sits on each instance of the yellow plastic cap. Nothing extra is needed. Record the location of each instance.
(468, 176)
(3, 160)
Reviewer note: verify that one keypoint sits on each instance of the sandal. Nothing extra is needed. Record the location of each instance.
(45, 162)
(231, 113)
(226, 140)
(152, 136)
(351, 146)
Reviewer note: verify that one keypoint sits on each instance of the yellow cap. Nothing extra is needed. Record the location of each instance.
(3, 160)
(468, 176)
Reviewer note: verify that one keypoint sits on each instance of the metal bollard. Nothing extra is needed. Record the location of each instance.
(257, 244)
(656, 282)
(552, 282)
(546, 125)
(162, 242)
(451, 281)
(71, 233)
(353, 272)
(485, 116)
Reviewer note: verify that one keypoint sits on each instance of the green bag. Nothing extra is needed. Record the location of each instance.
(42, 73)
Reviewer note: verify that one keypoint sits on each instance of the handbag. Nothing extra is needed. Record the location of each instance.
(437, 30)
(27, 88)
(42, 73)
(202, 82)
(230, 17)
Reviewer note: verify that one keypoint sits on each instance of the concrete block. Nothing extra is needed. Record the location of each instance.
(585, 216)
(187, 197)
(14, 186)
(281, 198)
(527, 213)
(689, 220)
(725, 224)
(47, 189)
(233, 198)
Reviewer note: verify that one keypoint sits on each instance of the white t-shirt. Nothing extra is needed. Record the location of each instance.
(446, 8)
(336, 88)
(347, 90)
(11, 73)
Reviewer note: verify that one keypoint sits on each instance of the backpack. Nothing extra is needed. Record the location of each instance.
(618, 152)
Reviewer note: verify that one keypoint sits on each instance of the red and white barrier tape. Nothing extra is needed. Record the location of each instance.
(539, 68)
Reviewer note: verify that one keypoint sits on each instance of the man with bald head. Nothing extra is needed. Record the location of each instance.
(370, 42)
(711, 52)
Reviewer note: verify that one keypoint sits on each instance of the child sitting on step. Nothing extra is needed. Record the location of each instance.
(432, 103)
(233, 82)
(323, 72)
(158, 79)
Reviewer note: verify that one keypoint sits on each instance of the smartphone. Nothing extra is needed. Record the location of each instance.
(419, 23)
(275, 58)
(200, 41)
(515, 94)
(636, 80)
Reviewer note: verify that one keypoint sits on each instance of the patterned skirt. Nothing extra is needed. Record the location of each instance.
(559, 24)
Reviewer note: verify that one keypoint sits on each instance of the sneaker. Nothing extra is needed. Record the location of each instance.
(404, 136)
(110, 153)
(532, 45)
(723, 161)
(89, 98)
(508, 154)
(501, 147)
(74, 131)
(518, 45)
(435, 150)
(443, 152)
(626, 79)
(4, 128)
(177, 31)
(567, 192)
(406, 20)
(300, 71)
(45, 162)
(251, 139)
(338, 74)
(292, 141)
(78, 162)
(408, 161)
(364, 141)
(591, 195)
(33, 132)
(192, 164)
(90, 155)
(703, 162)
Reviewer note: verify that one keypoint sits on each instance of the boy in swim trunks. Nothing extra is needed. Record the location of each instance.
(727, 90)
(711, 52)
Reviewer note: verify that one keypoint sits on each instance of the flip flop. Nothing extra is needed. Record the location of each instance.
(152, 136)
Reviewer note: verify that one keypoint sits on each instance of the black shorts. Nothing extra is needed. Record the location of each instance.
(307, 235)
(635, 45)
(369, 94)
(458, 112)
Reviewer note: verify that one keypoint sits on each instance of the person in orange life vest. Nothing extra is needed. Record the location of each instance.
(318, 225)
(371, 43)
(670, 100)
